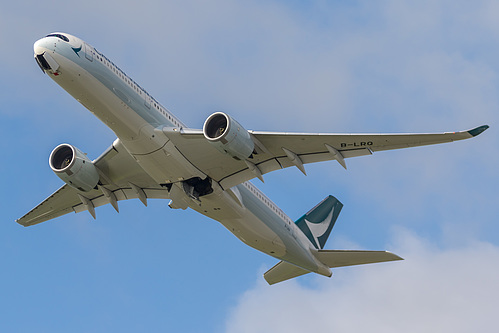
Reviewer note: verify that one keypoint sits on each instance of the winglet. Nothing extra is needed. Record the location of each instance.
(479, 130)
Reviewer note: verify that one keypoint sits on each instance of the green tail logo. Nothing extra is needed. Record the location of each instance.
(319, 221)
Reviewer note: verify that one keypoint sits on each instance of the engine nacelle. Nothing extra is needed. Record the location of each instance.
(228, 136)
(74, 167)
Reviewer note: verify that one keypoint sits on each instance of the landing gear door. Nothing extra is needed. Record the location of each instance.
(89, 52)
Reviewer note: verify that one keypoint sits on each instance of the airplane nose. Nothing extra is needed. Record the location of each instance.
(43, 58)
(41, 46)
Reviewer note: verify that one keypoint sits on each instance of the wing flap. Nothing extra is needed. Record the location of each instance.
(122, 194)
(66, 200)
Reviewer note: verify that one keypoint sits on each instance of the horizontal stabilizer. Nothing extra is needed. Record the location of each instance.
(331, 258)
(341, 258)
(283, 271)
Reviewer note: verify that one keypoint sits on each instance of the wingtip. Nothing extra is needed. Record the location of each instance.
(18, 221)
(479, 130)
(394, 256)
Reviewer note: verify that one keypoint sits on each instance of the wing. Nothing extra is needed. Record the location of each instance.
(275, 151)
(121, 178)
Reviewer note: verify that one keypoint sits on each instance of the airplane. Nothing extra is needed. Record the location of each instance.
(156, 156)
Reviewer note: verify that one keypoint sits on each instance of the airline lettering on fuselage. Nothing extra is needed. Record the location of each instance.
(357, 144)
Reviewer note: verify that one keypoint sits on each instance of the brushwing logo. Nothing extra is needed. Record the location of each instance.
(318, 229)
(76, 50)
(319, 221)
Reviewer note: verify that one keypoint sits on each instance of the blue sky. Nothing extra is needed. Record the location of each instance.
(316, 66)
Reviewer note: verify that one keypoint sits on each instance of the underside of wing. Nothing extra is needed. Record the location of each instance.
(121, 178)
(274, 151)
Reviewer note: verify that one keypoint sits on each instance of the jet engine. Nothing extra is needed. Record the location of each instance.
(228, 136)
(74, 167)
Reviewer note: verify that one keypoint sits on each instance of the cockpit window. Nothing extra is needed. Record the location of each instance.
(64, 38)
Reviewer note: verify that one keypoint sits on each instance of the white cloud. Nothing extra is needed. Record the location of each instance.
(358, 66)
(437, 290)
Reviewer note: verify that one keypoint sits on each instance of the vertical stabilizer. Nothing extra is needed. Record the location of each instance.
(319, 221)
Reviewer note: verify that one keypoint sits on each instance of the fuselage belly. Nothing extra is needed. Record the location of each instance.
(137, 119)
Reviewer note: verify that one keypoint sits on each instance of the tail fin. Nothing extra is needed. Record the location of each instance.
(319, 221)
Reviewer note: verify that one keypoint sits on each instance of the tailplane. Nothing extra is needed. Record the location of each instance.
(331, 258)
(283, 271)
(319, 221)
(342, 258)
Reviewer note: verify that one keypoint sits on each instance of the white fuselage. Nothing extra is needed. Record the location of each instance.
(138, 121)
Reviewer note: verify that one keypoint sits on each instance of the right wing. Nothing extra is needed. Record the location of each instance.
(281, 150)
(121, 178)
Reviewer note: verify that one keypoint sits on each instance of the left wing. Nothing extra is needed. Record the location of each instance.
(121, 179)
(275, 150)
